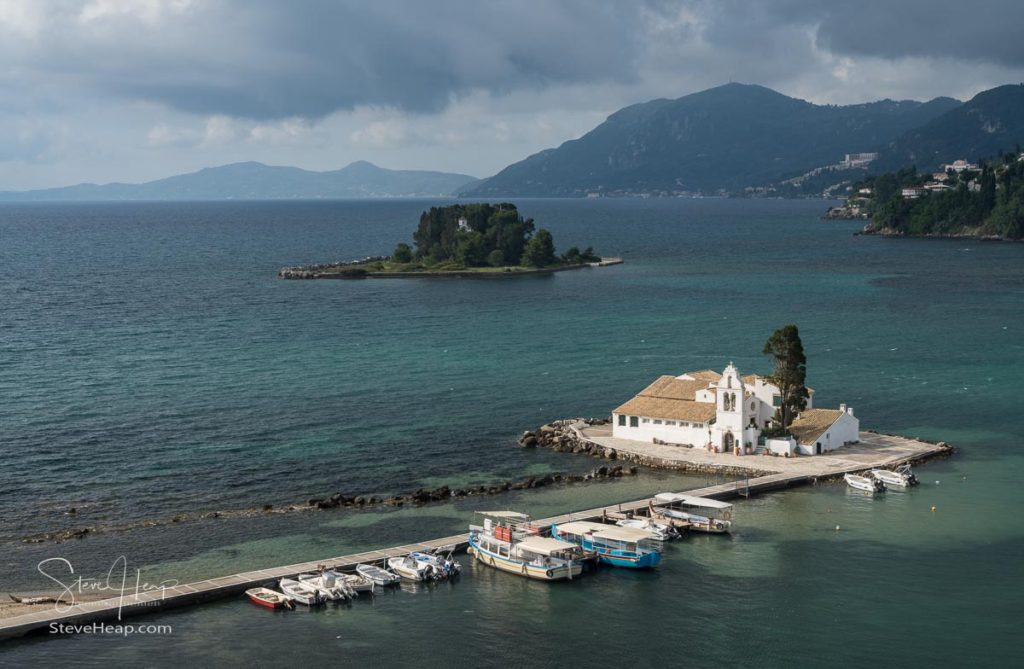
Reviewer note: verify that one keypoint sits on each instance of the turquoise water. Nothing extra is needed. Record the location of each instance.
(151, 364)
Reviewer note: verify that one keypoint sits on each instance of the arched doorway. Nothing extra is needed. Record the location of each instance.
(728, 441)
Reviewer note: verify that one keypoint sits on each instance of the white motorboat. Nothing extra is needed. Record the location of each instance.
(410, 568)
(658, 531)
(865, 483)
(509, 542)
(327, 585)
(355, 583)
(444, 567)
(901, 477)
(301, 592)
(377, 575)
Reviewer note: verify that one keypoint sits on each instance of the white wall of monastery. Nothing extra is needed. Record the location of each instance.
(846, 430)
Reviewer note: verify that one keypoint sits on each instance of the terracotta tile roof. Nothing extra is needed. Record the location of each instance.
(669, 387)
(812, 423)
(705, 374)
(667, 408)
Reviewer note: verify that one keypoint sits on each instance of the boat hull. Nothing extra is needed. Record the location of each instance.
(525, 569)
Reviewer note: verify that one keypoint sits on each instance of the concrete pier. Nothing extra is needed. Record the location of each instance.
(875, 451)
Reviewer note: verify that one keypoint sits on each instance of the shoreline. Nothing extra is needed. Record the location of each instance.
(894, 234)
(353, 271)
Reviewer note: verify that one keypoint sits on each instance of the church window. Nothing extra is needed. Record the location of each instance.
(634, 421)
(622, 420)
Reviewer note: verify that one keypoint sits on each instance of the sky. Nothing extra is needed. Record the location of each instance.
(134, 90)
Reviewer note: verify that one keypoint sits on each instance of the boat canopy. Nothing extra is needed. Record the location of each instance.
(504, 514)
(601, 531)
(690, 500)
(545, 545)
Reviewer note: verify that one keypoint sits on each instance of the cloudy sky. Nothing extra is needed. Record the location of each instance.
(132, 90)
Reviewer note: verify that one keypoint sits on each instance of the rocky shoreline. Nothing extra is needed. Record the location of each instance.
(563, 436)
(339, 500)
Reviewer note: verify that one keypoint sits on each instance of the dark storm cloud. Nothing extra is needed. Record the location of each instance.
(970, 30)
(269, 59)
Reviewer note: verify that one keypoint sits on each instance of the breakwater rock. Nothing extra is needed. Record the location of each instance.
(360, 501)
(342, 269)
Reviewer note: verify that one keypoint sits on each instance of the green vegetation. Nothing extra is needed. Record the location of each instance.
(480, 237)
(790, 372)
(985, 202)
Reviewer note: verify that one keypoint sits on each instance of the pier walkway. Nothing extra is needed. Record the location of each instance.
(887, 451)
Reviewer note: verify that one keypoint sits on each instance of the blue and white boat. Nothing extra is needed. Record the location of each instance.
(509, 542)
(613, 545)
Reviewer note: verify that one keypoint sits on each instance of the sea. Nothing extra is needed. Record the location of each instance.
(153, 367)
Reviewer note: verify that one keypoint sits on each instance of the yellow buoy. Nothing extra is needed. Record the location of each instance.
(933, 509)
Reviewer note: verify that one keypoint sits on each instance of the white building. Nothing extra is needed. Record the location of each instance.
(725, 412)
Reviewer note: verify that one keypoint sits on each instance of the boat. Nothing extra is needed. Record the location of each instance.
(379, 576)
(507, 541)
(658, 531)
(410, 568)
(354, 583)
(301, 592)
(613, 545)
(865, 483)
(901, 476)
(689, 512)
(326, 583)
(444, 567)
(271, 599)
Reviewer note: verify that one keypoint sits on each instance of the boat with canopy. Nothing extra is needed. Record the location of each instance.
(509, 542)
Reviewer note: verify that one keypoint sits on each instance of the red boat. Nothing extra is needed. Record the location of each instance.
(269, 598)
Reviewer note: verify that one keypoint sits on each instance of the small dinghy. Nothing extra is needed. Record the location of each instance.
(658, 531)
(327, 585)
(301, 592)
(901, 477)
(410, 568)
(379, 576)
(269, 598)
(865, 483)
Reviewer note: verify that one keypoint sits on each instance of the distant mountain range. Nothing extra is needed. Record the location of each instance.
(256, 181)
(738, 136)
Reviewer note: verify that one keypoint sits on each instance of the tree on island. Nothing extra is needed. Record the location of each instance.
(402, 253)
(789, 373)
(540, 250)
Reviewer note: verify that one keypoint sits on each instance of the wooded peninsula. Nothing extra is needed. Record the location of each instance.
(485, 240)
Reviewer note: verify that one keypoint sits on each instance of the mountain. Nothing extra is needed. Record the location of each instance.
(728, 137)
(990, 122)
(256, 181)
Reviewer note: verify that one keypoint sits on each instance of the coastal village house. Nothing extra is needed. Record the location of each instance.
(726, 412)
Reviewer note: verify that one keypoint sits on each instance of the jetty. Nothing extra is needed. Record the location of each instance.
(364, 269)
(876, 450)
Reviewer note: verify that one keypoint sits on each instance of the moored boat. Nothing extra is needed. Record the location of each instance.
(443, 566)
(901, 477)
(301, 592)
(354, 583)
(379, 576)
(865, 483)
(271, 599)
(613, 545)
(658, 531)
(508, 542)
(410, 568)
(700, 514)
(327, 585)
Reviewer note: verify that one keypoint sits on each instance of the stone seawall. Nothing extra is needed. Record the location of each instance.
(564, 436)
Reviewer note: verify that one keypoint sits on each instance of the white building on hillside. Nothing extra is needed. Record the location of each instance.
(725, 412)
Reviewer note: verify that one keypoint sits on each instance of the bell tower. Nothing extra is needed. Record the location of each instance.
(730, 410)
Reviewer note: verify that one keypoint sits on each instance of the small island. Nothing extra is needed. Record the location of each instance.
(964, 199)
(463, 240)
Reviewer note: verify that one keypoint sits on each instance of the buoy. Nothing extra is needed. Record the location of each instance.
(837, 528)
(933, 509)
